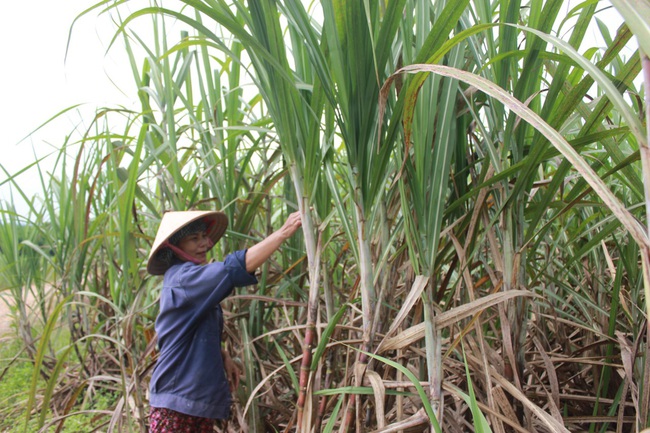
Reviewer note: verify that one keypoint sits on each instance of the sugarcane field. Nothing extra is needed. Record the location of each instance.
(325, 216)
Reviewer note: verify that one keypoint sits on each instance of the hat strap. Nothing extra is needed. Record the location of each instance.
(180, 253)
(208, 230)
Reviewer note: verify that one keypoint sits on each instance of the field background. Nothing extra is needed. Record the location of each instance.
(473, 181)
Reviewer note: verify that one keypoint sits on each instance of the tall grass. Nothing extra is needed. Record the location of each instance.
(471, 179)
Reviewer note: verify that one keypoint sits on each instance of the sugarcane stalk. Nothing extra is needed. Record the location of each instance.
(312, 247)
(645, 250)
(367, 306)
(322, 406)
(329, 308)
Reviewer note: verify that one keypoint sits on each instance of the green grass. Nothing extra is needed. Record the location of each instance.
(14, 387)
(14, 384)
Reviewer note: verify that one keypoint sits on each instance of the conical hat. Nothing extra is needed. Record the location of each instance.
(217, 222)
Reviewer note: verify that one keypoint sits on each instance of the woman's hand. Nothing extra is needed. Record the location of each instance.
(259, 253)
(291, 225)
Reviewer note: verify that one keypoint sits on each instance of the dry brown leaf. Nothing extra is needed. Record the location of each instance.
(550, 422)
(379, 390)
(447, 318)
(552, 379)
(627, 356)
(413, 296)
(509, 420)
(417, 419)
(502, 402)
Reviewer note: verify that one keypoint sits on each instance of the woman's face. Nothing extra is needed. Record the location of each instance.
(196, 245)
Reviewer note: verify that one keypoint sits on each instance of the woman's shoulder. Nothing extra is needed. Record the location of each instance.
(188, 273)
(191, 273)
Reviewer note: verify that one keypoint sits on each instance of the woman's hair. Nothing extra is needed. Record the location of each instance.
(166, 255)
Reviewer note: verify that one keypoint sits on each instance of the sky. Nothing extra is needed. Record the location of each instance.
(39, 81)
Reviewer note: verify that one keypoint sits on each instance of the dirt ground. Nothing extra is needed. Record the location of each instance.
(5, 318)
(6, 321)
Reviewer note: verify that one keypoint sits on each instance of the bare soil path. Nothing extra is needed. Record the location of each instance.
(6, 321)
(5, 318)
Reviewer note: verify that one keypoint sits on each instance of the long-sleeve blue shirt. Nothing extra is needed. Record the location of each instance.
(189, 376)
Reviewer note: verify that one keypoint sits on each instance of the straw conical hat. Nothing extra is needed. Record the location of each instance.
(173, 222)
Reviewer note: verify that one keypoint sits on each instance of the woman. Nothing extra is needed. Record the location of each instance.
(189, 388)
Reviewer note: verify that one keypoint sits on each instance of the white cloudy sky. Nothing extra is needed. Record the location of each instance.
(38, 81)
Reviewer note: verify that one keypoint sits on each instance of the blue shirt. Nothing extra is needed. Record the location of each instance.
(189, 376)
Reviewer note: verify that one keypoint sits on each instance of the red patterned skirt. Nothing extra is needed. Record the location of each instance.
(163, 420)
